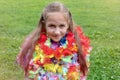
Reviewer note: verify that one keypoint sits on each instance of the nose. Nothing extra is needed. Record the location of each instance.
(57, 31)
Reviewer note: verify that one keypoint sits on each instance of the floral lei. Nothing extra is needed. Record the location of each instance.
(67, 49)
(45, 55)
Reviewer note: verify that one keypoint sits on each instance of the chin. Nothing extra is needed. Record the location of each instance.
(56, 40)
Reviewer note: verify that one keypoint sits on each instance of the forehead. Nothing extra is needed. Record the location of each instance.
(56, 17)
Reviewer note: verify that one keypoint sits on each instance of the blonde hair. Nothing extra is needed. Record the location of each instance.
(28, 45)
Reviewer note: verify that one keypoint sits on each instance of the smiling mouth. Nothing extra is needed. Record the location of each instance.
(56, 37)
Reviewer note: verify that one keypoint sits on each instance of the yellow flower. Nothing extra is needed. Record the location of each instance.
(39, 53)
(48, 67)
(59, 70)
(53, 68)
(73, 76)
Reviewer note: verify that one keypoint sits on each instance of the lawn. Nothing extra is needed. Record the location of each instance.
(100, 20)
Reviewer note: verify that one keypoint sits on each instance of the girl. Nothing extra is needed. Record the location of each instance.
(56, 49)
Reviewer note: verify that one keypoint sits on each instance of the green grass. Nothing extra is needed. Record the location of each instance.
(100, 20)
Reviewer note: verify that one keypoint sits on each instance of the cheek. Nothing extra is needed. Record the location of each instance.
(47, 29)
(64, 31)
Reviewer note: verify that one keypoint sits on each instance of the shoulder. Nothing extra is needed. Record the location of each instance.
(85, 40)
(79, 30)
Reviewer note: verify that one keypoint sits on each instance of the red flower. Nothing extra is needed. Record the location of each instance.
(72, 68)
(42, 38)
(70, 38)
(67, 52)
(39, 63)
(47, 51)
(47, 60)
(79, 30)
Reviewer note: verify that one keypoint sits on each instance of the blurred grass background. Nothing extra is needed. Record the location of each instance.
(100, 20)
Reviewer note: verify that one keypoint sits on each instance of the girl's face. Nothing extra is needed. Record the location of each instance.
(56, 26)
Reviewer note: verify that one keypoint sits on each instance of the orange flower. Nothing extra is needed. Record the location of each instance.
(58, 53)
(72, 73)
